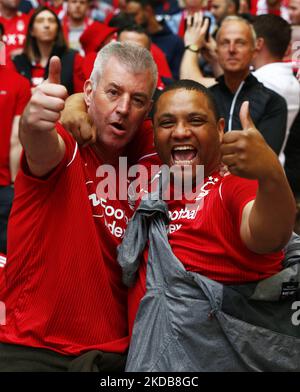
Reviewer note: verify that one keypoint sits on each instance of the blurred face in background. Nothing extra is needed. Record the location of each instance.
(10, 4)
(45, 27)
(193, 5)
(137, 12)
(235, 47)
(294, 11)
(78, 9)
(140, 39)
(219, 9)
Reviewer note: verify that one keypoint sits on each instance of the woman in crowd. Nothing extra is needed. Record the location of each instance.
(45, 39)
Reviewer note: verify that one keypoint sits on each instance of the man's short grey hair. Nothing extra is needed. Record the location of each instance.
(132, 56)
(235, 18)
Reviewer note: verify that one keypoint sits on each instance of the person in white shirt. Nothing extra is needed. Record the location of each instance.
(273, 39)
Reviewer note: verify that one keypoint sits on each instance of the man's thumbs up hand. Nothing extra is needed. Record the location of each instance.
(54, 70)
(47, 101)
(245, 152)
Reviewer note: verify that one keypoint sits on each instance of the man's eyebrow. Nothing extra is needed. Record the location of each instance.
(115, 85)
(202, 114)
(120, 87)
(165, 115)
(192, 114)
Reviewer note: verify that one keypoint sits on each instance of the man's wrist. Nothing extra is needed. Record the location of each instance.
(193, 48)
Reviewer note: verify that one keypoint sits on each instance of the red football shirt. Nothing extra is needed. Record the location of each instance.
(206, 237)
(15, 31)
(14, 95)
(63, 288)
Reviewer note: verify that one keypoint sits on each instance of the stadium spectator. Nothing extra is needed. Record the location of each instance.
(45, 39)
(161, 35)
(84, 324)
(236, 45)
(15, 25)
(15, 93)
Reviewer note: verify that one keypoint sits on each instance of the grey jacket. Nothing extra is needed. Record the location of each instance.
(187, 322)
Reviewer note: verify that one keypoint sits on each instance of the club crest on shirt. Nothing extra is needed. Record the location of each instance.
(20, 25)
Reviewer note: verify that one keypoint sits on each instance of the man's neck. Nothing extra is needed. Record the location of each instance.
(76, 22)
(264, 60)
(7, 13)
(233, 80)
(108, 156)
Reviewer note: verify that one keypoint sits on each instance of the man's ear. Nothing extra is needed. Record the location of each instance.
(88, 92)
(220, 128)
(260, 42)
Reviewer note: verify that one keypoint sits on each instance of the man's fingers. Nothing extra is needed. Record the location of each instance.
(229, 159)
(49, 102)
(231, 137)
(198, 18)
(54, 70)
(88, 133)
(45, 126)
(49, 115)
(245, 116)
(227, 149)
(53, 90)
(205, 25)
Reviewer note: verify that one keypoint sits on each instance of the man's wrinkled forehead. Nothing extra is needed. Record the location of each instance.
(116, 73)
(234, 29)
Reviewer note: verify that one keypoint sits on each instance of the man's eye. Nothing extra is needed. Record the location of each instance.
(112, 93)
(196, 121)
(166, 124)
(138, 102)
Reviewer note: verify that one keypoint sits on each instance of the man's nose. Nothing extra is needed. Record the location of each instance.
(123, 105)
(181, 132)
(231, 47)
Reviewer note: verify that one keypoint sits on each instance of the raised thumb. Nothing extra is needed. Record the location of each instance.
(245, 116)
(54, 70)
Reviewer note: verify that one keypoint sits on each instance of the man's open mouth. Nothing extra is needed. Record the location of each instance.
(183, 155)
(118, 126)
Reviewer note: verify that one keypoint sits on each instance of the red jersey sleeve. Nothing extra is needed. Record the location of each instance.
(24, 94)
(70, 153)
(235, 193)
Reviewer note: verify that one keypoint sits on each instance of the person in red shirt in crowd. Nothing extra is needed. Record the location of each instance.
(98, 34)
(172, 46)
(15, 26)
(75, 21)
(136, 34)
(191, 6)
(232, 231)
(294, 12)
(57, 6)
(276, 7)
(45, 39)
(14, 95)
(66, 304)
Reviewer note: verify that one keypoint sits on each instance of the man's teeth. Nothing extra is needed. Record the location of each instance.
(184, 155)
(183, 148)
(183, 162)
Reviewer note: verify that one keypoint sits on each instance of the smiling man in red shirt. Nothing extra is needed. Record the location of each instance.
(64, 295)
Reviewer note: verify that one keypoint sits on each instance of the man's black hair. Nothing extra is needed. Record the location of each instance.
(236, 4)
(1, 29)
(190, 85)
(135, 28)
(275, 31)
(144, 3)
(121, 20)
